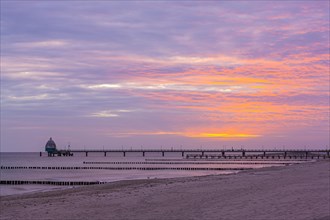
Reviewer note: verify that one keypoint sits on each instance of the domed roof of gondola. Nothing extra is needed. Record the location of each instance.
(51, 143)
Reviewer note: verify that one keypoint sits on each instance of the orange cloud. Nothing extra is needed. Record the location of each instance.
(187, 134)
(224, 135)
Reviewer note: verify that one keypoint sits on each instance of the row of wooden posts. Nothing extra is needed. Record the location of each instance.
(192, 162)
(41, 182)
(120, 168)
(205, 156)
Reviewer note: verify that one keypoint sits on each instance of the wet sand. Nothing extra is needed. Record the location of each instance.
(300, 191)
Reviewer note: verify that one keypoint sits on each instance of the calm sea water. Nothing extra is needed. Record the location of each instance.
(112, 160)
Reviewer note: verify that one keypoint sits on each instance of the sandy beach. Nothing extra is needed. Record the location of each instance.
(300, 191)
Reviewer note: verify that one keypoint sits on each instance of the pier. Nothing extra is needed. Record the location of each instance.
(207, 153)
(52, 150)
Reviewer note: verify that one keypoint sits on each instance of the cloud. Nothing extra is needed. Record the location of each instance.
(109, 113)
(186, 69)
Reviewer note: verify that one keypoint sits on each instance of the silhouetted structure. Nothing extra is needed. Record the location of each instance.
(53, 151)
(50, 147)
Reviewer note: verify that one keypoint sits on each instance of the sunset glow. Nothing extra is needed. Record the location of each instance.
(131, 74)
(206, 135)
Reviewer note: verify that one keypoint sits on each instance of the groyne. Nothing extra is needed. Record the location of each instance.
(46, 182)
(117, 168)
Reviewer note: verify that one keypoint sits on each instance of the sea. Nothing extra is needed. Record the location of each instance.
(113, 167)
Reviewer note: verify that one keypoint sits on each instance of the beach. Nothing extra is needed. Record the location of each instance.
(300, 191)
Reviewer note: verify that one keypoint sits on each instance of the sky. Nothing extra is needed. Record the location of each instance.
(165, 74)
